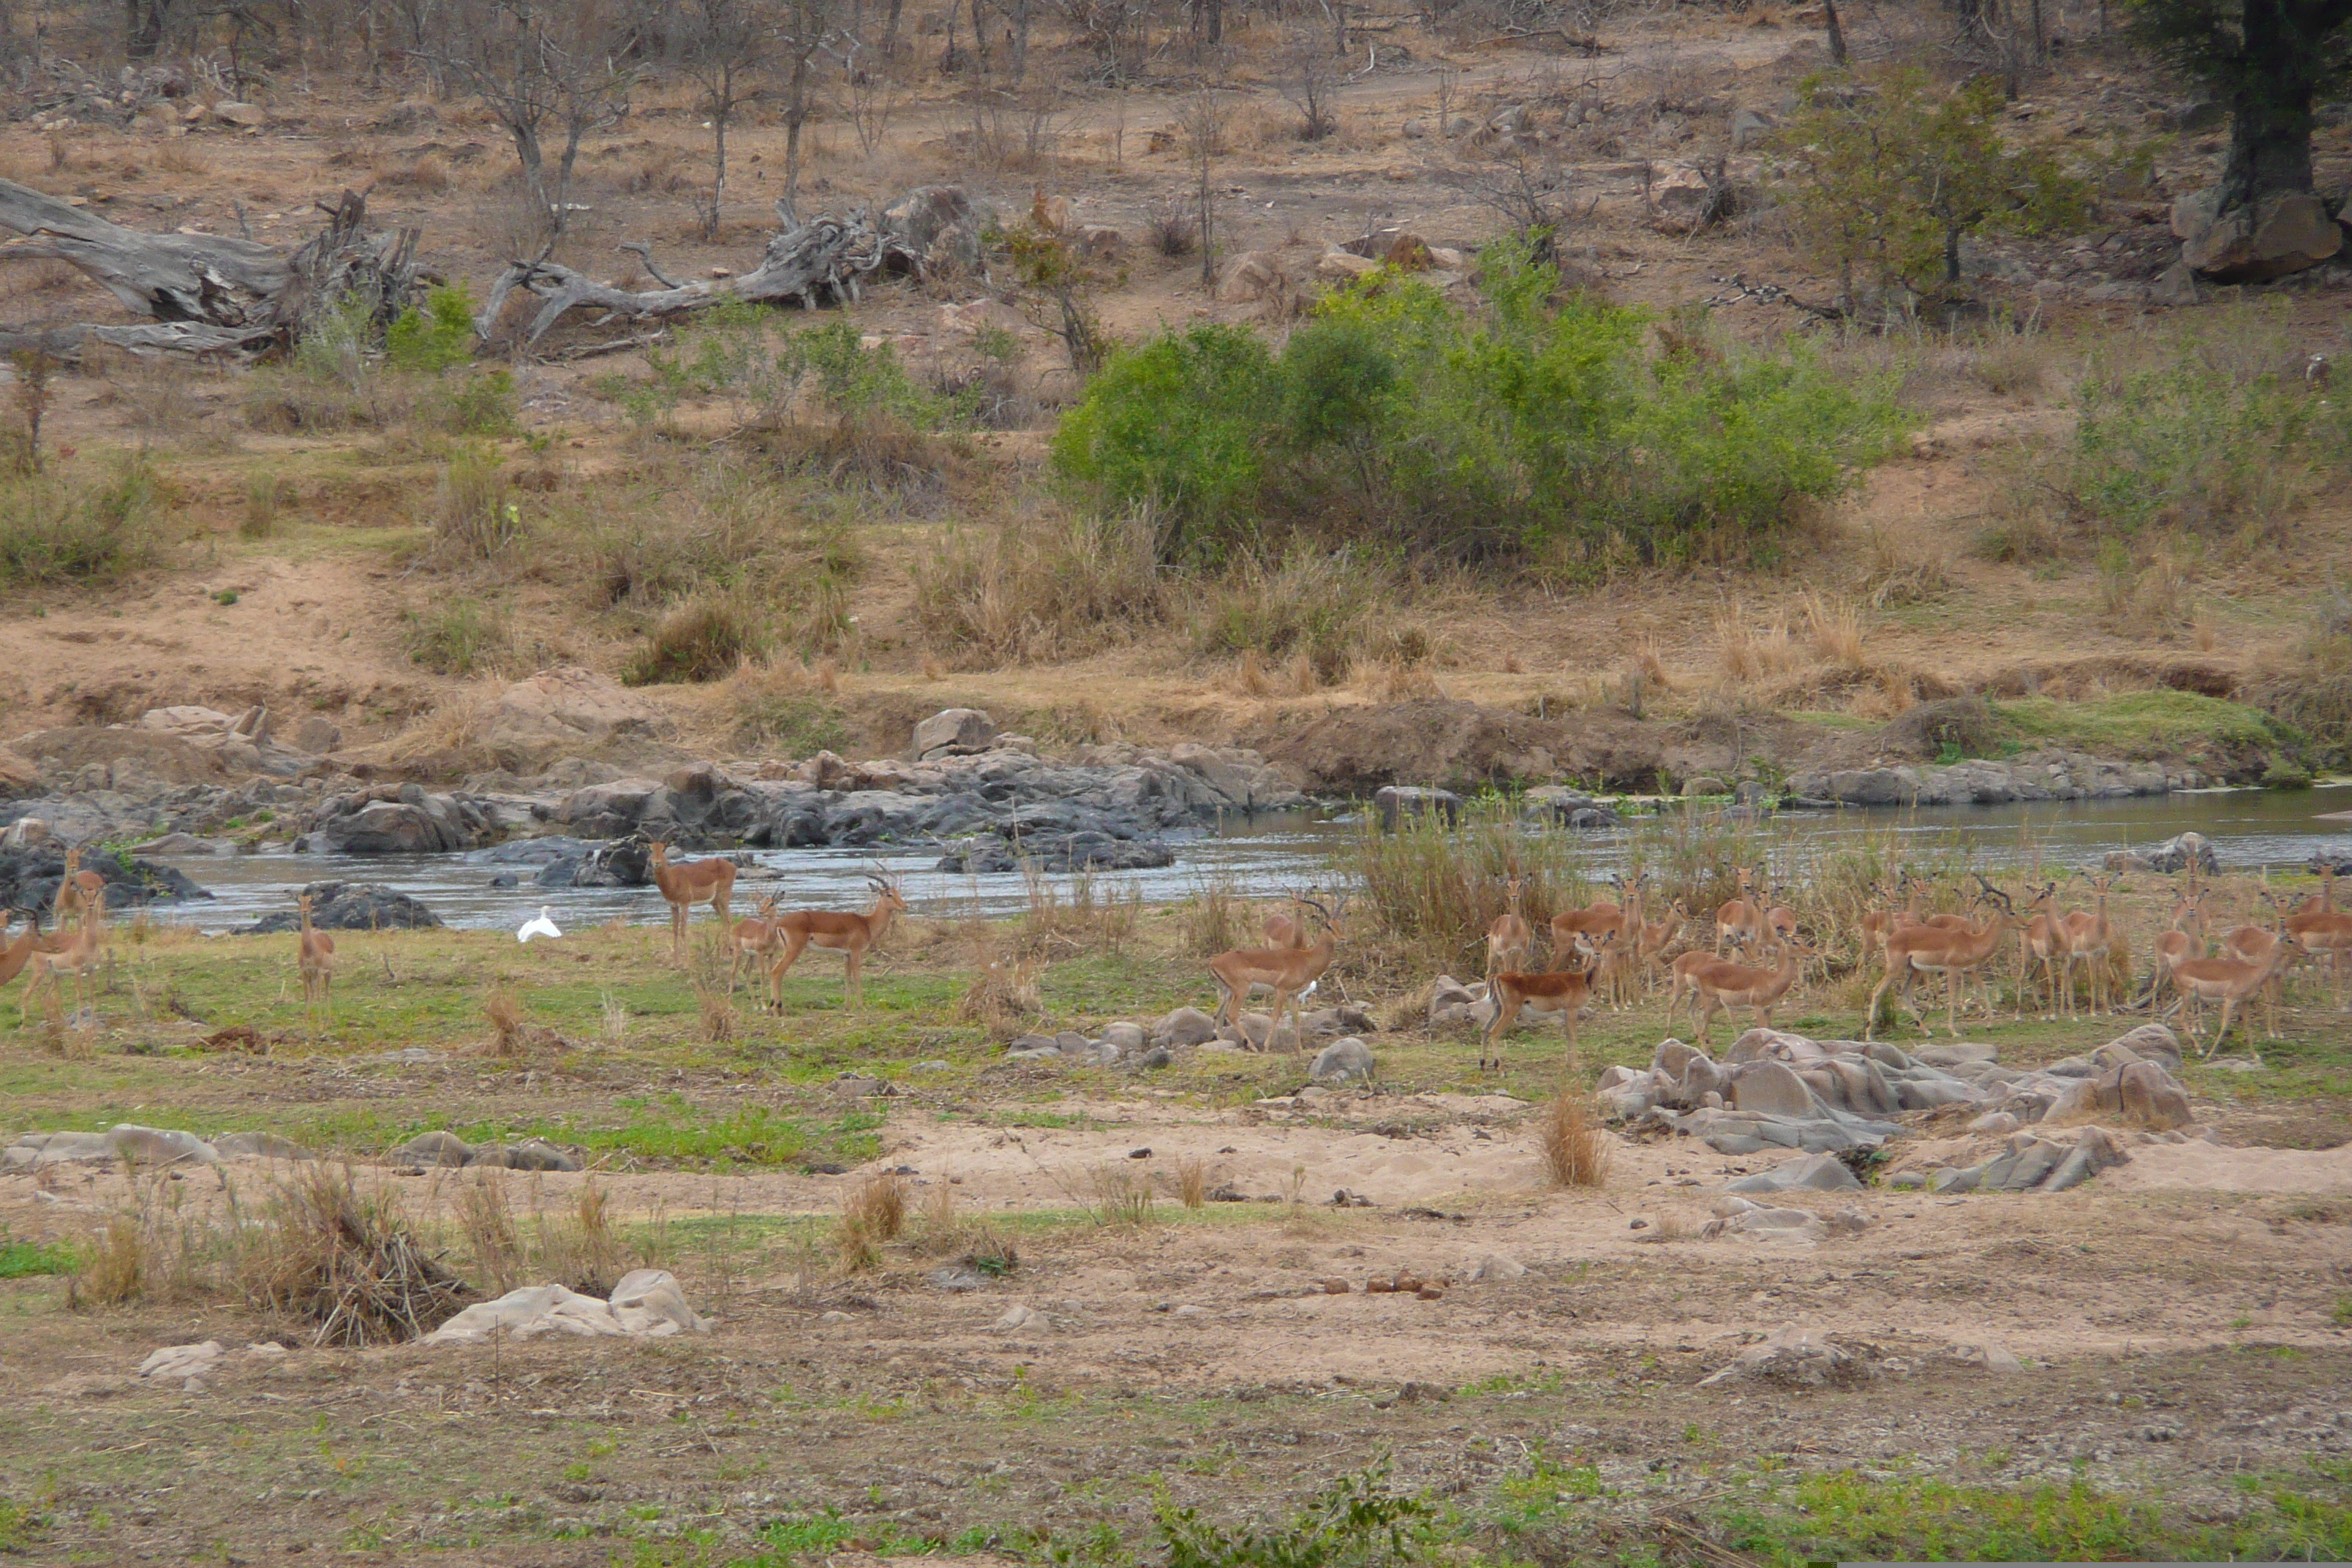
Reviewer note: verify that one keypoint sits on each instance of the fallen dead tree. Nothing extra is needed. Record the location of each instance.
(804, 264)
(203, 294)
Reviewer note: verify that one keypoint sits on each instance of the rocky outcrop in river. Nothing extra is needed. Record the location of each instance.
(2031, 776)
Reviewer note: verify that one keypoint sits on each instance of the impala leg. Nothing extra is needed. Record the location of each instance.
(794, 944)
(853, 987)
(1870, 1017)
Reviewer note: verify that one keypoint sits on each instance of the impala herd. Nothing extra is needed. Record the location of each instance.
(1746, 954)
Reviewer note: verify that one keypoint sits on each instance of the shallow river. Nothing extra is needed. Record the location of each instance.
(2249, 827)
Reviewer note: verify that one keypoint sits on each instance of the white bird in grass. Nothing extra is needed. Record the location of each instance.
(540, 927)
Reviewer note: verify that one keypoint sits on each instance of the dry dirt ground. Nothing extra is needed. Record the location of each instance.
(2181, 1323)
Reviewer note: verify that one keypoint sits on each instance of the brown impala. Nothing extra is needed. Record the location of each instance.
(849, 934)
(1287, 971)
(686, 885)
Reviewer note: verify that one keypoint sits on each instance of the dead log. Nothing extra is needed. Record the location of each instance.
(210, 294)
(807, 264)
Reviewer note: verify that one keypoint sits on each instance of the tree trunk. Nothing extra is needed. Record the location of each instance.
(795, 114)
(1216, 10)
(1020, 48)
(209, 294)
(890, 31)
(142, 31)
(1837, 33)
(718, 169)
(2269, 108)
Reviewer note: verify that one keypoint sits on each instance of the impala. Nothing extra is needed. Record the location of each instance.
(1586, 927)
(1286, 929)
(849, 934)
(1719, 983)
(1740, 919)
(1566, 992)
(2088, 937)
(77, 886)
(2183, 939)
(753, 939)
(1914, 951)
(2044, 944)
(78, 958)
(2227, 981)
(686, 885)
(1285, 971)
(19, 953)
(1657, 936)
(1509, 939)
(2324, 931)
(316, 959)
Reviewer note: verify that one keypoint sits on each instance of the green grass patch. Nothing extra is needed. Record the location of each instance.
(28, 1259)
(2141, 723)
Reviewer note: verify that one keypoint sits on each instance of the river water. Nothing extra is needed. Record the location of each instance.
(1267, 854)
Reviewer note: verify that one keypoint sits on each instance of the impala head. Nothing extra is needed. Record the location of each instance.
(1332, 914)
(73, 861)
(657, 851)
(885, 889)
(302, 902)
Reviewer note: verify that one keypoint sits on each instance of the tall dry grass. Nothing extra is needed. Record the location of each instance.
(1576, 1147)
(1041, 585)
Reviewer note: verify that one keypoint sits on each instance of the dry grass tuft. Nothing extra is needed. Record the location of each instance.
(1575, 1148)
(508, 1036)
(113, 1268)
(345, 1263)
(428, 175)
(1903, 572)
(1251, 676)
(1004, 995)
(880, 1204)
(491, 1240)
(1216, 920)
(1121, 1196)
(1834, 627)
(1192, 1182)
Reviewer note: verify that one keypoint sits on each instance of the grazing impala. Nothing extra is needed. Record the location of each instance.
(1565, 992)
(316, 959)
(2324, 931)
(1740, 919)
(1285, 971)
(851, 934)
(1509, 939)
(686, 885)
(1588, 927)
(1912, 951)
(2227, 981)
(1715, 985)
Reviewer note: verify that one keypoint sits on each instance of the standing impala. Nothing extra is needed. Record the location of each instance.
(1286, 928)
(2183, 939)
(76, 887)
(1509, 939)
(1740, 919)
(316, 959)
(2227, 981)
(1912, 951)
(753, 939)
(1285, 971)
(851, 934)
(2088, 937)
(686, 885)
(1567, 992)
(1596, 922)
(78, 958)
(1719, 983)
(2324, 930)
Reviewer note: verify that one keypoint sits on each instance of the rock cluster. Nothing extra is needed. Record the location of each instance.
(30, 879)
(2031, 1163)
(2031, 776)
(1774, 1089)
(447, 1149)
(349, 906)
(646, 1304)
(152, 1146)
(1346, 1060)
(399, 819)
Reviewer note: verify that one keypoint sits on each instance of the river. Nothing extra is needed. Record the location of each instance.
(1265, 854)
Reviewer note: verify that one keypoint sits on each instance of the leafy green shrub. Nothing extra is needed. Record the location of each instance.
(1889, 175)
(458, 638)
(702, 639)
(54, 528)
(1355, 1522)
(433, 339)
(2217, 433)
(1537, 428)
(480, 403)
(26, 1259)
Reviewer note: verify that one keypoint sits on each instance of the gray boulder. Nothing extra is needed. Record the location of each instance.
(433, 1149)
(2277, 236)
(159, 1146)
(1815, 1173)
(1771, 1089)
(2174, 855)
(531, 1154)
(351, 906)
(953, 732)
(1348, 1060)
(1393, 802)
(259, 1146)
(1184, 1026)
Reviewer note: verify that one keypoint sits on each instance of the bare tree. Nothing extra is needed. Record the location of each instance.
(1532, 196)
(1309, 82)
(537, 65)
(728, 47)
(804, 29)
(1205, 116)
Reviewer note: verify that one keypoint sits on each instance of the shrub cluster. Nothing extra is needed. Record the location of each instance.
(1542, 427)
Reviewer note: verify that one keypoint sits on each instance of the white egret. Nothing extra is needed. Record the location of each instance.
(542, 926)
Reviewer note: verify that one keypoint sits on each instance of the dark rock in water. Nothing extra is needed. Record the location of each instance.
(350, 906)
(2172, 855)
(505, 879)
(1395, 800)
(1058, 855)
(2337, 860)
(30, 879)
(617, 863)
(400, 820)
(533, 851)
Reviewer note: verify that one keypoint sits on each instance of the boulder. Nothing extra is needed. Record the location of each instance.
(646, 1304)
(351, 906)
(433, 1149)
(2174, 287)
(1184, 1026)
(2194, 212)
(1770, 1088)
(1496, 1266)
(259, 1146)
(1741, 1220)
(531, 1154)
(2172, 856)
(2151, 1042)
(1348, 1060)
(158, 1146)
(942, 220)
(30, 879)
(245, 115)
(180, 1363)
(1749, 129)
(1815, 1174)
(953, 732)
(1341, 268)
(1247, 277)
(1682, 201)
(567, 712)
(2278, 235)
(1395, 801)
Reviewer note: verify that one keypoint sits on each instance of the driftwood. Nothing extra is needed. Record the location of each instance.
(805, 264)
(209, 294)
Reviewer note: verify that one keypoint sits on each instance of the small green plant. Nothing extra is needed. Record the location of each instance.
(225, 597)
(434, 338)
(1355, 1520)
(480, 403)
(458, 638)
(56, 529)
(475, 514)
(26, 1259)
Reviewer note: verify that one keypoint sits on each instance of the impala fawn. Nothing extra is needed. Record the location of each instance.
(852, 935)
(316, 959)
(753, 939)
(1740, 919)
(685, 884)
(1287, 971)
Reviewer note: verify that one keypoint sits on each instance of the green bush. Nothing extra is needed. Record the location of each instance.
(481, 403)
(433, 339)
(1355, 1522)
(55, 529)
(1536, 428)
(475, 514)
(2218, 432)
